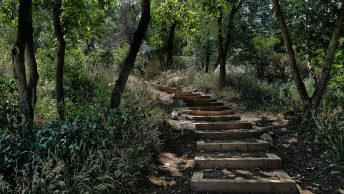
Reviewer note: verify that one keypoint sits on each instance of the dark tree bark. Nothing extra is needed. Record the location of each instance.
(129, 61)
(170, 45)
(18, 59)
(291, 53)
(228, 38)
(32, 65)
(219, 38)
(61, 47)
(314, 100)
(207, 58)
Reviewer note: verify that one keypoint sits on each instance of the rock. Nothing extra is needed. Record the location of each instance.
(341, 191)
(292, 140)
(267, 137)
(334, 172)
(284, 129)
(174, 115)
(286, 145)
(174, 81)
(306, 192)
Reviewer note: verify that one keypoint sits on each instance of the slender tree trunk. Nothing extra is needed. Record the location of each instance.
(61, 47)
(32, 65)
(219, 38)
(314, 101)
(18, 59)
(228, 39)
(312, 74)
(207, 58)
(129, 61)
(291, 53)
(170, 45)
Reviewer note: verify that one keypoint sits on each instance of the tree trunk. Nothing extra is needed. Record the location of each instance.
(228, 39)
(170, 45)
(61, 47)
(291, 53)
(18, 59)
(32, 65)
(314, 101)
(129, 61)
(219, 38)
(207, 57)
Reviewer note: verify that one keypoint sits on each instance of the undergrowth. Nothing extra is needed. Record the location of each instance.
(87, 153)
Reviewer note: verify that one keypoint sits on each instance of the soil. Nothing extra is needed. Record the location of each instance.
(307, 162)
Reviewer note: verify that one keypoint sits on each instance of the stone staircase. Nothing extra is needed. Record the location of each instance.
(231, 156)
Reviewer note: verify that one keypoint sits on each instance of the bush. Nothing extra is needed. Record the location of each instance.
(78, 85)
(330, 129)
(81, 155)
(257, 94)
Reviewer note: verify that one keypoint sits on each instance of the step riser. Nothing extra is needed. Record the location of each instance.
(179, 93)
(228, 135)
(220, 126)
(242, 163)
(208, 108)
(198, 100)
(232, 147)
(211, 113)
(208, 185)
(210, 119)
(204, 104)
(261, 185)
(164, 89)
(185, 95)
(191, 97)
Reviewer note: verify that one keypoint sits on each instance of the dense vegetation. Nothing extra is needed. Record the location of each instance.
(76, 116)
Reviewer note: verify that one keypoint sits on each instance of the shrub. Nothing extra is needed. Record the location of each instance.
(330, 129)
(257, 94)
(78, 85)
(81, 155)
(66, 139)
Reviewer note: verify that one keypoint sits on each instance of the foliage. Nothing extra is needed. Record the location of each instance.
(78, 85)
(330, 129)
(86, 153)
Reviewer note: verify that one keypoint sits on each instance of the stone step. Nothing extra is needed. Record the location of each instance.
(199, 100)
(241, 181)
(210, 113)
(238, 160)
(233, 145)
(215, 118)
(164, 88)
(228, 134)
(209, 108)
(197, 97)
(184, 94)
(220, 126)
(200, 103)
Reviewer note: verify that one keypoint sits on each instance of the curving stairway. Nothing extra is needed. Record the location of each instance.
(231, 156)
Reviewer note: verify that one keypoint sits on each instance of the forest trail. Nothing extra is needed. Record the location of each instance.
(231, 154)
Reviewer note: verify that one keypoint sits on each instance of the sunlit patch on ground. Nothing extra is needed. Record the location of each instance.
(161, 181)
(174, 164)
